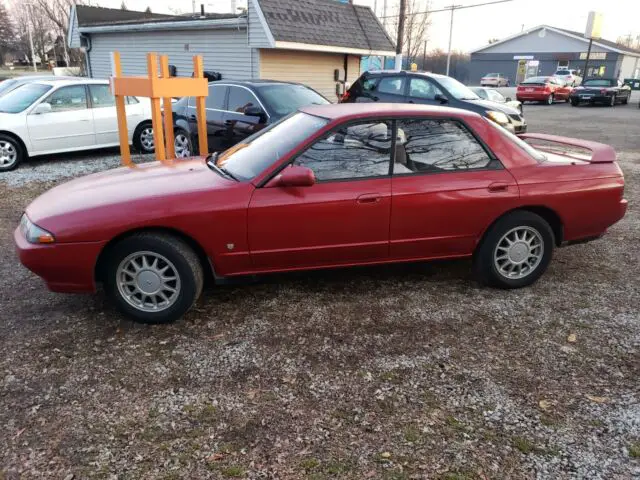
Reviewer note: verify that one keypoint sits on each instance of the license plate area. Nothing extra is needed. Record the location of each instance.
(528, 89)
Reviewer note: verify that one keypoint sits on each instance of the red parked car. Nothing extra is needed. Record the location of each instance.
(328, 186)
(543, 89)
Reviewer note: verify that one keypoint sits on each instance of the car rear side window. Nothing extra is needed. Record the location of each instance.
(217, 94)
(361, 150)
(369, 84)
(101, 96)
(433, 146)
(392, 85)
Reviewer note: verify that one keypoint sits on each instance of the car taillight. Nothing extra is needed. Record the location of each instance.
(603, 91)
(345, 96)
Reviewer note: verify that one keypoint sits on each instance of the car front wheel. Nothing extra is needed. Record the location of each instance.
(575, 102)
(11, 153)
(612, 101)
(515, 251)
(550, 99)
(153, 277)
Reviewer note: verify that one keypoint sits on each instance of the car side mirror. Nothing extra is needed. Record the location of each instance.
(508, 99)
(42, 108)
(255, 111)
(294, 176)
(441, 98)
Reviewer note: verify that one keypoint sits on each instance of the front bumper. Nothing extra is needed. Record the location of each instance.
(65, 267)
(532, 97)
(587, 98)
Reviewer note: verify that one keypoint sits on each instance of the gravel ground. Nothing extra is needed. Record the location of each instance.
(395, 373)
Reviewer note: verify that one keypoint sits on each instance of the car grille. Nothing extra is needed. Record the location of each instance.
(516, 117)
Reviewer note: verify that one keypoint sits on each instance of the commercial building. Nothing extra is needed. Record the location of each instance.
(316, 42)
(542, 50)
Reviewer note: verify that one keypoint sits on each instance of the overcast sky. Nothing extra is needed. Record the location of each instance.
(473, 27)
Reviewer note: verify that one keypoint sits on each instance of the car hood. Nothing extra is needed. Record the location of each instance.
(489, 105)
(131, 193)
(7, 120)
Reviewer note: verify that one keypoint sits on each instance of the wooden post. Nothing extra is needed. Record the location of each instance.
(168, 112)
(156, 111)
(203, 143)
(123, 131)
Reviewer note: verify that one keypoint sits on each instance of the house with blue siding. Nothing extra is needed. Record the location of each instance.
(315, 42)
(543, 49)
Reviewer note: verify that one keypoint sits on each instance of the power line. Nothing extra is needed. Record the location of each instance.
(449, 8)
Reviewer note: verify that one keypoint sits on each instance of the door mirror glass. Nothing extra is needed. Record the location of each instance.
(42, 108)
(256, 111)
(441, 98)
(294, 176)
(509, 99)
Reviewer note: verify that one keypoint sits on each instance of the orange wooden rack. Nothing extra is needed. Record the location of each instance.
(158, 88)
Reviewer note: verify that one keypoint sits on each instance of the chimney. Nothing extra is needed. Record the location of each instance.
(202, 15)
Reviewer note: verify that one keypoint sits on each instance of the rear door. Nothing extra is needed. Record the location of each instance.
(446, 189)
(69, 125)
(105, 117)
(239, 126)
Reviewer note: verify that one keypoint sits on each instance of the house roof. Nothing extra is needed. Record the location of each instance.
(608, 44)
(325, 22)
(100, 16)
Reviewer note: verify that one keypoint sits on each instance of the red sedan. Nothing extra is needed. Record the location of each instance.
(334, 185)
(543, 89)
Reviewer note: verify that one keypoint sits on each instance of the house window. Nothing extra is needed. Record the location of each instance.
(563, 64)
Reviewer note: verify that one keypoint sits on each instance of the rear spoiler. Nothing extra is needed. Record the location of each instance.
(600, 153)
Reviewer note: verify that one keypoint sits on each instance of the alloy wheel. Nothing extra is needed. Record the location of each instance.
(148, 281)
(182, 145)
(8, 154)
(146, 139)
(519, 252)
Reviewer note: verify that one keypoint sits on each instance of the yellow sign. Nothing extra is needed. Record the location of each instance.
(594, 26)
(414, 67)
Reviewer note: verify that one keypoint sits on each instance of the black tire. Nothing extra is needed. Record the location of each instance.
(550, 99)
(183, 261)
(484, 266)
(141, 138)
(575, 103)
(612, 101)
(11, 153)
(183, 143)
(626, 100)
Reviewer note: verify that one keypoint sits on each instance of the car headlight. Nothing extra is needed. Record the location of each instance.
(498, 117)
(33, 233)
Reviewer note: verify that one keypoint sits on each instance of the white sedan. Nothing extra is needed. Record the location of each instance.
(55, 116)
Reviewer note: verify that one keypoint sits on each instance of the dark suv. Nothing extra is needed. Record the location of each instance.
(430, 89)
(236, 110)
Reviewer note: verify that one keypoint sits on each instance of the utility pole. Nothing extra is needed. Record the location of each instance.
(384, 15)
(424, 57)
(399, 42)
(586, 60)
(452, 7)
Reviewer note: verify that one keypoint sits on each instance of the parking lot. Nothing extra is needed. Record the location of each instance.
(409, 371)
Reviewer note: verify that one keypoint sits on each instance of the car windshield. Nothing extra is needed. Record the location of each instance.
(22, 97)
(492, 75)
(597, 83)
(7, 86)
(457, 89)
(252, 156)
(532, 152)
(535, 80)
(285, 99)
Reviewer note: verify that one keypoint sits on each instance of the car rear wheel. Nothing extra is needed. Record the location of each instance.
(11, 153)
(153, 277)
(143, 139)
(183, 144)
(550, 99)
(515, 251)
(575, 102)
(625, 101)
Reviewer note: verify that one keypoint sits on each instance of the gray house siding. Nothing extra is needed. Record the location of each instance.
(550, 42)
(225, 51)
(74, 34)
(257, 35)
(483, 63)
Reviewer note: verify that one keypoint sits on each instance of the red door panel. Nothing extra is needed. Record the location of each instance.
(331, 223)
(444, 214)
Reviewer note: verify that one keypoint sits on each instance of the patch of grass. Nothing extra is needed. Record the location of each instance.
(549, 421)
(336, 467)
(458, 476)
(634, 450)
(596, 423)
(454, 423)
(233, 471)
(309, 464)
(411, 434)
(396, 476)
(525, 445)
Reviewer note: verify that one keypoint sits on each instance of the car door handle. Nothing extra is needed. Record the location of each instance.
(369, 198)
(374, 98)
(498, 187)
(229, 123)
(192, 117)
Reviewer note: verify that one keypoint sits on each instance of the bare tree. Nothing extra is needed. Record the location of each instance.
(7, 33)
(416, 26)
(27, 16)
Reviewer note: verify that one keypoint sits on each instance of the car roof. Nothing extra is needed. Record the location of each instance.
(355, 110)
(404, 72)
(71, 81)
(252, 83)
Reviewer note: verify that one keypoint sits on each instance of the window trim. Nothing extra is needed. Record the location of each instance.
(493, 159)
(348, 123)
(86, 96)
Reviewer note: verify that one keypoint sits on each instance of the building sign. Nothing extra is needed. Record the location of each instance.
(523, 57)
(594, 26)
(594, 56)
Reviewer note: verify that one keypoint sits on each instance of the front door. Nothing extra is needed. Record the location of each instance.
(342, 219)
(424, 91)
(446, 189)
(69, 125)
(238, 125)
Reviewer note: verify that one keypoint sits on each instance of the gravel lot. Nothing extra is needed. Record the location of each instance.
(393, 373)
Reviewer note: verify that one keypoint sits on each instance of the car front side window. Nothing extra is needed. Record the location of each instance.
(240, 99)
(68, 98)
(421, 88)
(354, 151)
(434, 146)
